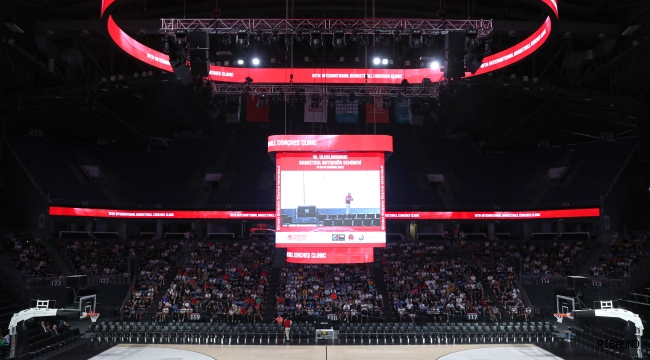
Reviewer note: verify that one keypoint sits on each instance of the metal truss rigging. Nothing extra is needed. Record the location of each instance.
(327, 26)
(411, 91)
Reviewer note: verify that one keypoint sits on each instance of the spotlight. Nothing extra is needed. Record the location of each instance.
(249, 80)
(240, 62)
(352, 96)
(426, 83)
(385, 40)
(397, 36)
(385, 102)
(299, 36)
(226, 40)
(315, 102)
(288, 39)
(331, 101)
(435, 65)
(275, 36)
(405, 82)
(471, 33)
(415, 38)
(384, 61)
(376, 61)
(256, 61)
(266, 39)
(316, 39)
(365, 40)
(428, 40)
(166, 47)
(355, 35)
(473, 64)
(338, 39)
(242, 39)
(222, 101)
(258, 36)
(262, 101)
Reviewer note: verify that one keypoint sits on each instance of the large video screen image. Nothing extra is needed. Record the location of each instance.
(332, 199)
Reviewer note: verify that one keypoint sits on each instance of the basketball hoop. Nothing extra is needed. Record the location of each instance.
(93, 316)
(560, 317)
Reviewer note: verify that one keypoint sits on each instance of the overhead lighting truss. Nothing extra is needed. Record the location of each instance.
(327, 26)
(359, 92)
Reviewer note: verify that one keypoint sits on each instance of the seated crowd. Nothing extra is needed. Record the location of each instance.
(619, 257)
(345, 292)
(425, 282)
(98, 258)
(29, 255)
(155, 262)
(223, 281)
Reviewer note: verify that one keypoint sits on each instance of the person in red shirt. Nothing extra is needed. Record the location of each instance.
(348, 200)
(287, 329)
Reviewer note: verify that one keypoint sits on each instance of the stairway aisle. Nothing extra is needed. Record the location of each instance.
(592, 260)
(278, 260)
(150, 314)
(58, 258)
(378, 274)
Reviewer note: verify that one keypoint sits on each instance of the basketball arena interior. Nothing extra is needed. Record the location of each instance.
(324, 179)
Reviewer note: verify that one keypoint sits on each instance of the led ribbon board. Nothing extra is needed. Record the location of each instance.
(270, 215)
(329, 75)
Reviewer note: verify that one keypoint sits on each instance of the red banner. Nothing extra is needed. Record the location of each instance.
(356, 255)
(366, 143)
(494, 215)
(376, 113)
(257, 110)
(268, 215)
(159, 214)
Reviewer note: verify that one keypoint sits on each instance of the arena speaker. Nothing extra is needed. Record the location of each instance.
(643, 133)
(454, 55)
(199, 56)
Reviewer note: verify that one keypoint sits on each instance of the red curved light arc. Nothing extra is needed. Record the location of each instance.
(331, 75)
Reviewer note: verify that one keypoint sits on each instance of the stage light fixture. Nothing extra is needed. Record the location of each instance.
(275, 36)
(338, 39)
(365, 40)
(376, 61)
(315, 39)
(240, 62)
(262, 101)
(299, 36)
(384, 61)
(288, 39)
(385, 102)
(266, 39)
(384, 39)
(226, 40)
(166, 47)
(355, 35)
(471, 33)
(241, 39)
(415, 38)
(405, 82)
(352, 96)
(315, 102)
(256, 61)
(428, 41)
(258, 36)
(249, 80)
(435, 65)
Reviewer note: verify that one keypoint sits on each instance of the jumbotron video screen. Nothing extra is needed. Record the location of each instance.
(330, 204)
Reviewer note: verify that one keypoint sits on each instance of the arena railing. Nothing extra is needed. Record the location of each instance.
(93, 280)
(592, 282)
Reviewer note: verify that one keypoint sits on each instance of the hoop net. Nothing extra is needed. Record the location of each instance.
(93, 316)
(560, 317)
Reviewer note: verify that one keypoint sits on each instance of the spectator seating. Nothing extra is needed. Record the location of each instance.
(347, 292)
(29, 255)
(97, 257)
(222, 281)
(619, 257)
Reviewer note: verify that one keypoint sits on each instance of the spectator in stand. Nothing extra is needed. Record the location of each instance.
(29, 255)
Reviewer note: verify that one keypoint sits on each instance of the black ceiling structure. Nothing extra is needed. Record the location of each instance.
(62, 74)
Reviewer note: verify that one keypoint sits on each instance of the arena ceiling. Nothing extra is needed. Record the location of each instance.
(590, 78)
